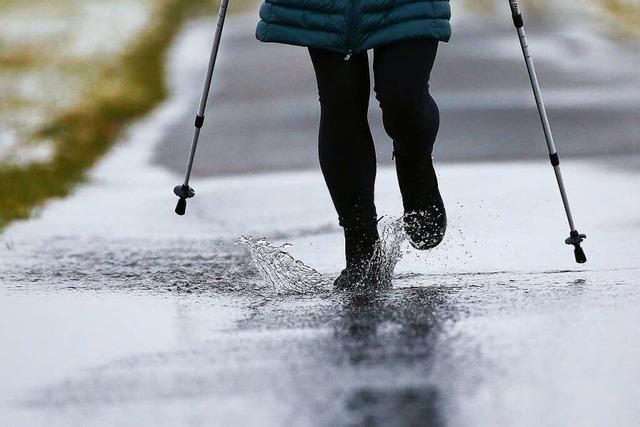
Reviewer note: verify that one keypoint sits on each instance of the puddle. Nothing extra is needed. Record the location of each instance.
(284, 274)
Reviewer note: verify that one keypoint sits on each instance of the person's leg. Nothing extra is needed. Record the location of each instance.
(346, 150)
(345, 146)
(411, 118)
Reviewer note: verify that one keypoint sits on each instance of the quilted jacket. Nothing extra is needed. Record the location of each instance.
(352, 26)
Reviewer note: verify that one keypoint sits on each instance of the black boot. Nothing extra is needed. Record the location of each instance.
(361, 241)
(425, 218)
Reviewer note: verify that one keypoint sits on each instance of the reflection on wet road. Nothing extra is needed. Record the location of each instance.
(447, 348)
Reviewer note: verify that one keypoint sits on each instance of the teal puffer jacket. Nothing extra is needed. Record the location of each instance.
(352, 26)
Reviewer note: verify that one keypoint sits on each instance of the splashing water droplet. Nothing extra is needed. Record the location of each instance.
(282, 272)
(388, 253)
(287, 275)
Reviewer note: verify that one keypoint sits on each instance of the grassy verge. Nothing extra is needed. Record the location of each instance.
(127, 88)
(625, 14)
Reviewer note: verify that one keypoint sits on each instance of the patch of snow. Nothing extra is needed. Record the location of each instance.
(73, 28)
(59, 49)
(33, 152)
(8, 140)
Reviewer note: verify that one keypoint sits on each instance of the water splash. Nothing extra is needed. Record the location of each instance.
(387, 254)
(286, 275)
(281, 271)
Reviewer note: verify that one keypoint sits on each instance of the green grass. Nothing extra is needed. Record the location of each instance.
(128, 88)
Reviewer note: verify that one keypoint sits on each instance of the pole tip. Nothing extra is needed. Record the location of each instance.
(575, 238)
(181, 207)
(581, 258)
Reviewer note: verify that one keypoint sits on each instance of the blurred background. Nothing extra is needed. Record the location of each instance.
(74, 72)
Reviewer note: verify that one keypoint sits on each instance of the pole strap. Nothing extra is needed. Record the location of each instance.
(199, 121)
(555, 159)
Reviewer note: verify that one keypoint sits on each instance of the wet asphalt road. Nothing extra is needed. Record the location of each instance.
(115, 312)
(264, 112)
(196, 340)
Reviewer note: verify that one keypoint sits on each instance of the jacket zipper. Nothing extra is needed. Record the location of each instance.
(352, 29)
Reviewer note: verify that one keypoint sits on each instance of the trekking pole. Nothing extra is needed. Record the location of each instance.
(575, 238)
(183, 191)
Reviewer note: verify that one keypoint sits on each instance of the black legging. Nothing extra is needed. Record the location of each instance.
(410, 117)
